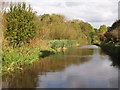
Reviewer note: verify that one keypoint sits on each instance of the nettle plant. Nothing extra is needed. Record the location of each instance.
(20, 24)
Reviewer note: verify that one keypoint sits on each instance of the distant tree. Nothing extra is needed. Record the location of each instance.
(88, 30)
(113, 32)
(21, 25)
(57, 27)
(108, 28)
(103, 28)
(46, 18)
(95, 29)
(57, 18)
(115, 24)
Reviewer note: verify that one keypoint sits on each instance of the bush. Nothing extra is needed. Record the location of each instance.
(21, 26)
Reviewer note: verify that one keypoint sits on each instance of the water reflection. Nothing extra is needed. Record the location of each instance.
(75, 68)
(115, 60)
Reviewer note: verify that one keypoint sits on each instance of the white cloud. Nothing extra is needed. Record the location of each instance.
(96, 12)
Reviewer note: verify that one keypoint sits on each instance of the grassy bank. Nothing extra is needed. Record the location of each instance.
(14, 59)
(19, 58)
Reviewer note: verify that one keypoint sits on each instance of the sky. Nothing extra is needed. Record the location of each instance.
(96, 12)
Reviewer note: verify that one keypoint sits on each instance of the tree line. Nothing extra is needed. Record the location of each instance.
(23, 25)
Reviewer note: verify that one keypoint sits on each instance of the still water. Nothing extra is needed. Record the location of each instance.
(80, 67)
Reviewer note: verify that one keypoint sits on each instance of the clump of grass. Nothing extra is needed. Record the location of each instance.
(16, 58)
(62, 43)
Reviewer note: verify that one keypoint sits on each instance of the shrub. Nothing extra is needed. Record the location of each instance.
(21, 25)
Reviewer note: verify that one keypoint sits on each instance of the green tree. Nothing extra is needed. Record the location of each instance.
(112, 35)
(21, 25)
(115, 24)
(103, 28)
(88, 30)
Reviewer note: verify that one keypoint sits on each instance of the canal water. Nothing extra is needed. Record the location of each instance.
(79, 67)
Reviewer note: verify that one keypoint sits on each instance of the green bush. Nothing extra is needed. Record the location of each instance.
(21, 25)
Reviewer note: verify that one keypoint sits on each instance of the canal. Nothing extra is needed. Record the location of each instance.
(78, 67)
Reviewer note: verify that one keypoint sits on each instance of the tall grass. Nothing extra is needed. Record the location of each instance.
(16, 58)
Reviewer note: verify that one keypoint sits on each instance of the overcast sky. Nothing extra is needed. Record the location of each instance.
(96, 12)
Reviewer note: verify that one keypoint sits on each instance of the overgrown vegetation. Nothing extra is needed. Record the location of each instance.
(111, 40)
(28, 36)
(16, 58)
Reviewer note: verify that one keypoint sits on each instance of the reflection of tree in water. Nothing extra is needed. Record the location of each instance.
(20, 80)
(55, 63)
(102, 52)
(115, 60)
(79, 51)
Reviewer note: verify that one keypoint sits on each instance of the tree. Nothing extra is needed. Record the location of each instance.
(88, 30)
(21, 25)
(103, 28)
(115, 24)
(112, 34)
